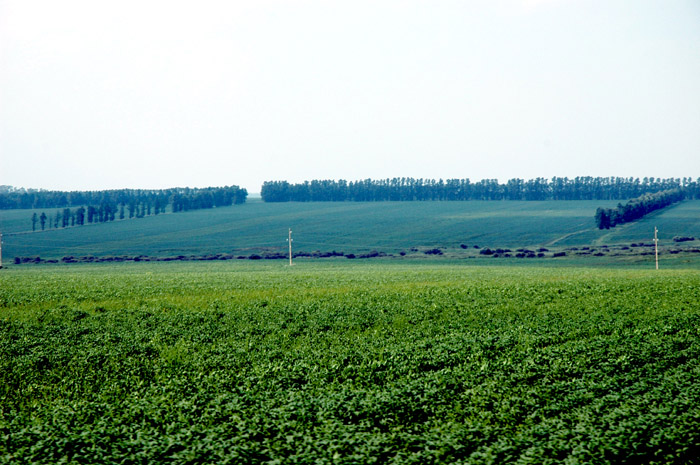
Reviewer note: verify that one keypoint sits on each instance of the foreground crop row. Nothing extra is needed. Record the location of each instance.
(242, 363)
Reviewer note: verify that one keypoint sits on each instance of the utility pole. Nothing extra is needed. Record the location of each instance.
(656, 246)
(290, 246)
(0, 250)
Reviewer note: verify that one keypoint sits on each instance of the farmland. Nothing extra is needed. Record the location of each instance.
(357, 228)
(348, 362)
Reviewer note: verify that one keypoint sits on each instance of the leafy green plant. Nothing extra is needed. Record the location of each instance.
(238, 362)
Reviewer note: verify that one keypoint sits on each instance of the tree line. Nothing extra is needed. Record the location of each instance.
(136, 204)
(182, 199)
(93, 214)
(635, 209)
(410, 189)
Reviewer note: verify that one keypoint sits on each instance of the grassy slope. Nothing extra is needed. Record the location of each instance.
(347, 227)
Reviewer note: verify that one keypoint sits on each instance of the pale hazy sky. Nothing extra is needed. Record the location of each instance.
(152, 94)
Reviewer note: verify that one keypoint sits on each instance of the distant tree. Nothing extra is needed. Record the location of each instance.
(65, 217)
(408, 189)
(276, 191)
(514, 189)
(80, 216)
(35, 218)
(602, 218)
(110, 212)
(42, 220)
(637, 208)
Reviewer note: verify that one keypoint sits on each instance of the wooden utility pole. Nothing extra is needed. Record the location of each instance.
(290, 246)
(0, 250)
(656, 246)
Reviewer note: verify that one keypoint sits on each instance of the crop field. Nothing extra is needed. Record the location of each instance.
(326, 226)
(347, 362)
(358, 228)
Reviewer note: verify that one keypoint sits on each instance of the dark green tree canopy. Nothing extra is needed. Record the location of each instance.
(408, 189)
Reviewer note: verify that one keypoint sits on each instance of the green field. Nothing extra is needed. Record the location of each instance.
(389, 227)
(348, 362)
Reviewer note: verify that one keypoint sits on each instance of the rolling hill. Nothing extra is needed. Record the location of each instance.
(357, 228)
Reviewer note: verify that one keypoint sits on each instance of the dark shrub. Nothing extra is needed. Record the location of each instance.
(274, 256)
(371, 254)
(683, 239)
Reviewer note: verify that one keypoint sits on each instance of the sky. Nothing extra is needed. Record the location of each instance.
(155, 94)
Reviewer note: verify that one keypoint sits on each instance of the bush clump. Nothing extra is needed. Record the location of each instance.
(683, 238)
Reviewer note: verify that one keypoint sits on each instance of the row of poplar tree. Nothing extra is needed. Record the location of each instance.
(184, 198)
(92, 214)
(635, 209)
(133, 204)
(408, 189)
